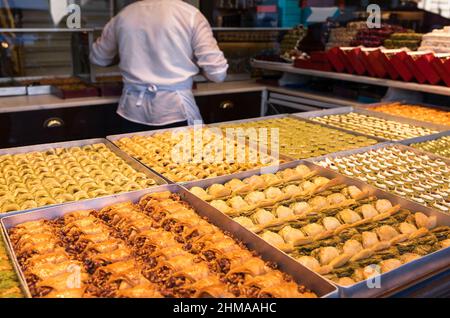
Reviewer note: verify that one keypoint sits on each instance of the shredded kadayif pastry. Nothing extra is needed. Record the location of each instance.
(159, 247)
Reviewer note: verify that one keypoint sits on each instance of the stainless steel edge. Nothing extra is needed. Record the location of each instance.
(269, 253)
(305, 101)
(325, 112)
(346, 153)
(150, 132)
(241, 121)
(393, 279)
(78, 143)
(425, 138)
(13, 259)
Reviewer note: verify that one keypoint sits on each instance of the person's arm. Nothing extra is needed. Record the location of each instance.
(209, 57)
(104, 51)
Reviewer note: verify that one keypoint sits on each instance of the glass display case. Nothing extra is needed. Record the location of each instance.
(35, 42)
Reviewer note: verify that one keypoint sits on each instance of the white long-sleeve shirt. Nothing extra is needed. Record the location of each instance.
(162, 44)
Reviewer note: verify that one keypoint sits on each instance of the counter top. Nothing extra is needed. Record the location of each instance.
(40, 102)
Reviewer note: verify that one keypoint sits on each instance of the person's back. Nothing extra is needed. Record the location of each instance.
(162, 44)
(156, 34)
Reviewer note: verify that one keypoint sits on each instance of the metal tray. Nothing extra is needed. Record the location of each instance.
(12, 259)
(114, 138)
(301, 274)
(383, 145)
(13, 91)
(372, 105)
(351, 109)
(425, 138)
(414, 271)
(136, 165)
(33, 90)
(294, 116)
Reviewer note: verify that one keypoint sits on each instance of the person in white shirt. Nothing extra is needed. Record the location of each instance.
(162, 45)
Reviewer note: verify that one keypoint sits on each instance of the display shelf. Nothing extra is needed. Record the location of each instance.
(433, 89)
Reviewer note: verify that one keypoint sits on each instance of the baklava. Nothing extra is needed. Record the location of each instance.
(336, 230)
(35, 179)
(159, 247)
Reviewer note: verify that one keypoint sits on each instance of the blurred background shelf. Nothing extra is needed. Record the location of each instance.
(432, 89)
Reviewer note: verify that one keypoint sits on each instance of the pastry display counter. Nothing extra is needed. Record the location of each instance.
(325, 229)
(283, 227)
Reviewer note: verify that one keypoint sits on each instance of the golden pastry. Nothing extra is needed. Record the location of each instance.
(34, 179)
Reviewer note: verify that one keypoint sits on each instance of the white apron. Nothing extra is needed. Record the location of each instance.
(159, 105)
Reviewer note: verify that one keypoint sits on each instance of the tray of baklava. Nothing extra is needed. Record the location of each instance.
(194, 153)
(376, 124)
(405, 171)
(299, 138)
(51, 174)
(153, 243)
(438, 144)
(421, 112)
(366, 241)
